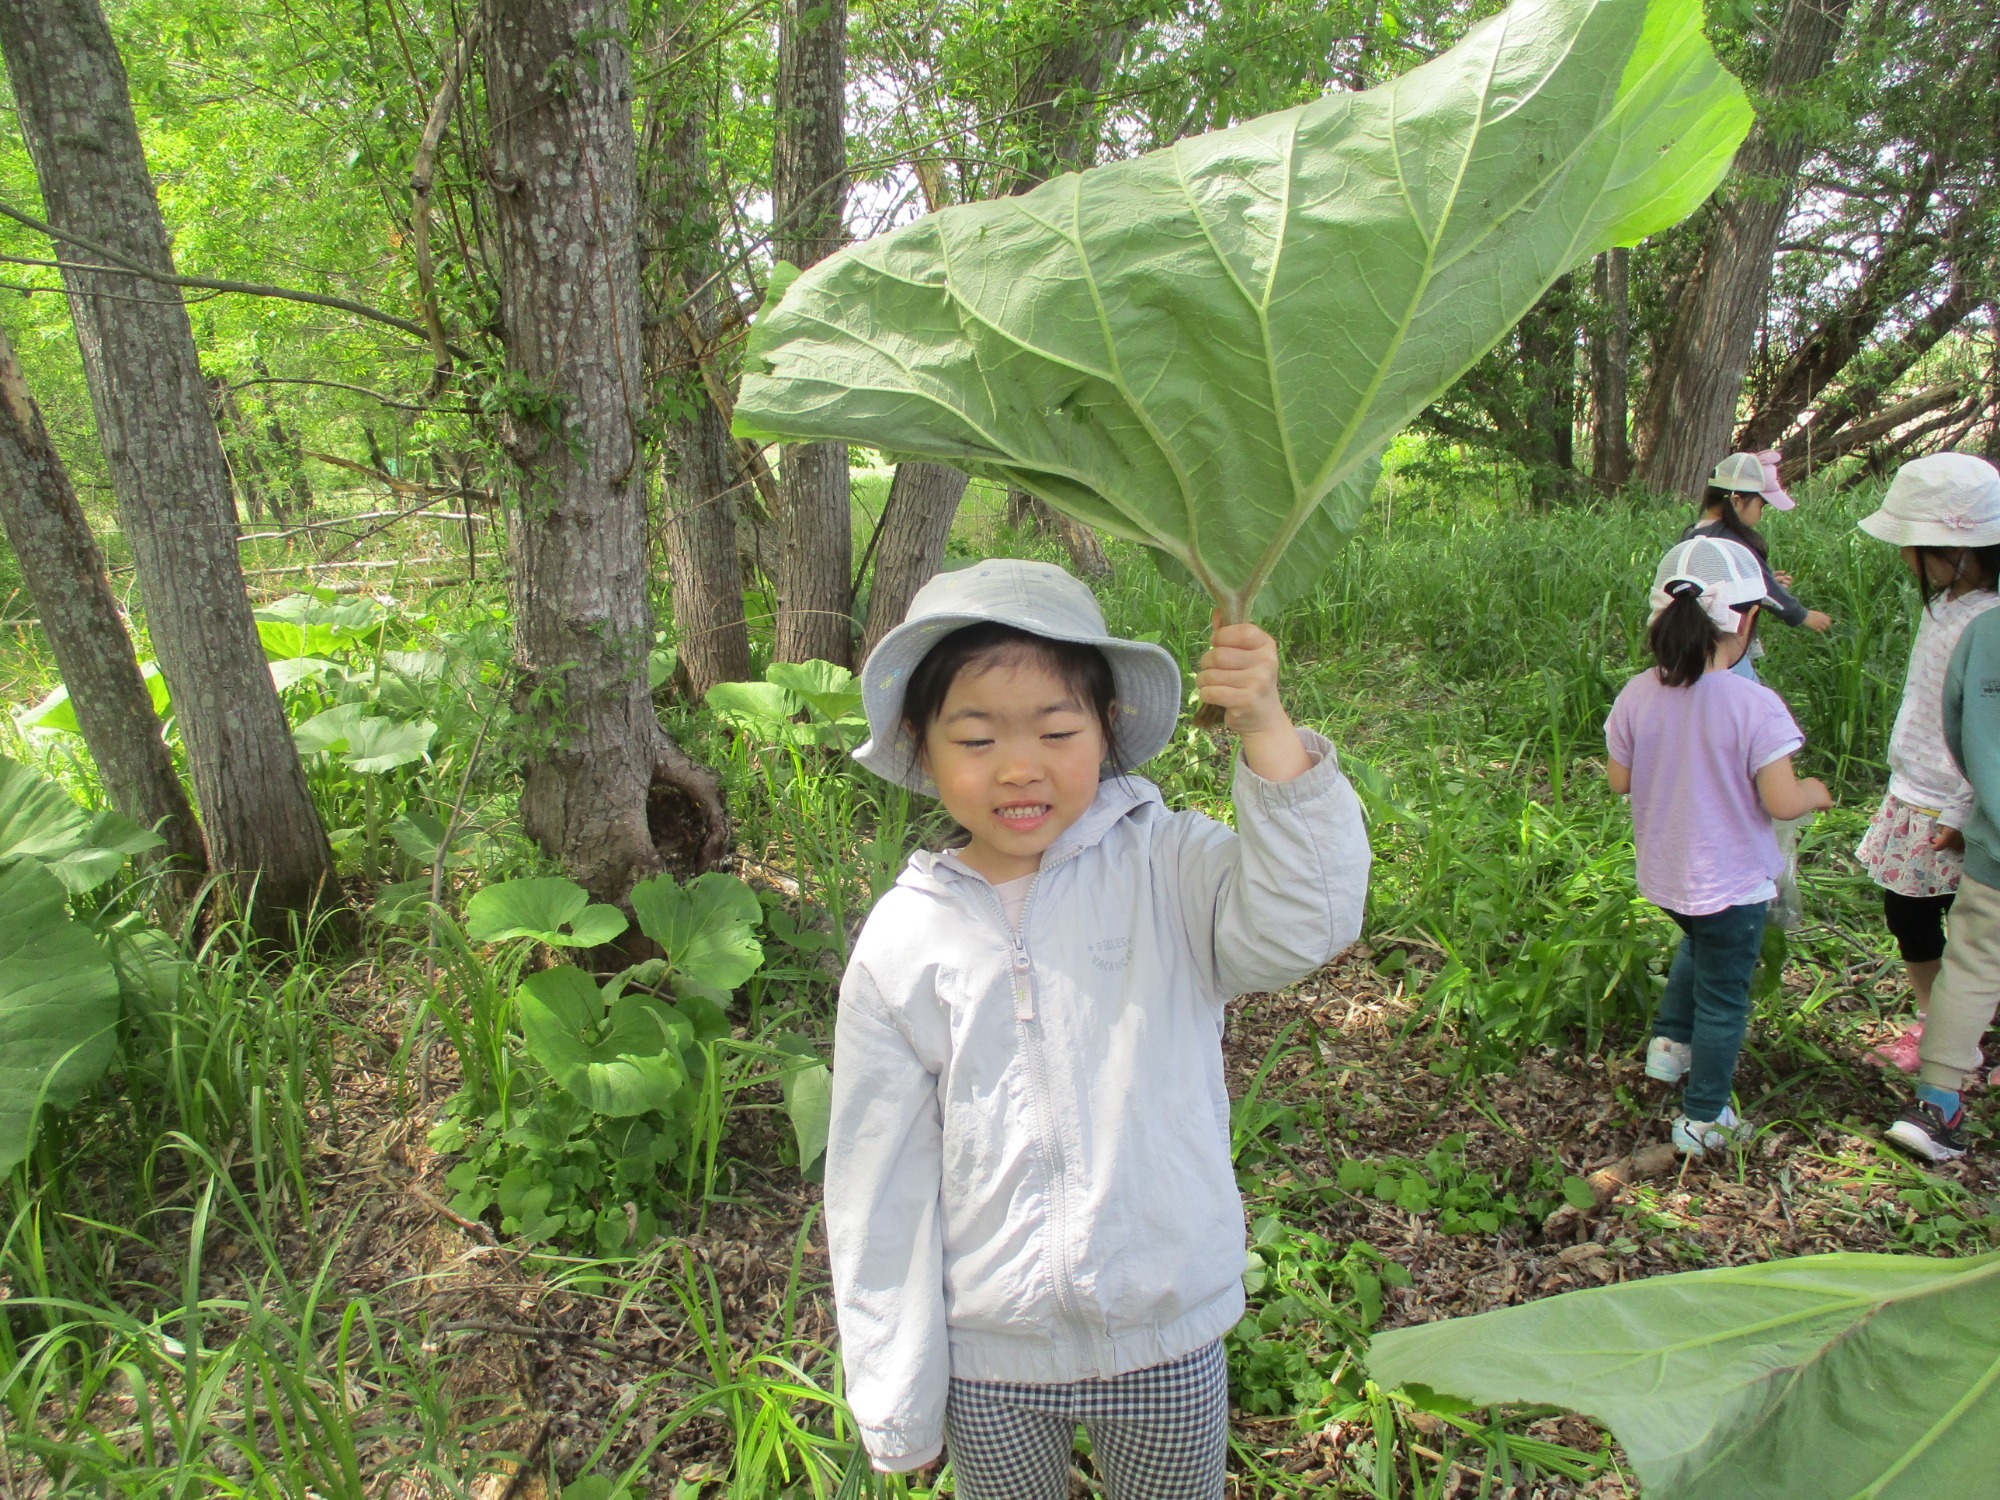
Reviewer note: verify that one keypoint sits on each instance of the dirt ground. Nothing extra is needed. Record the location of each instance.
(543, 1368)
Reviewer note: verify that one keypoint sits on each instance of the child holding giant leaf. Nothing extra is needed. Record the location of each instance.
(1031, 1208)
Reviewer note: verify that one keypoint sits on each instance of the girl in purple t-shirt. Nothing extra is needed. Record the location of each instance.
(1707, 758)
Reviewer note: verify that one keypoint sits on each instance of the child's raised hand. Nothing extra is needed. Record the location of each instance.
(1239, 675)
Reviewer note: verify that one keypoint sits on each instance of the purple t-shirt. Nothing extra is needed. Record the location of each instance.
(1704, 840)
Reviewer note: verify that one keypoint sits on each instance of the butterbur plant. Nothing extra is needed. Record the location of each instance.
(1206, 349)
(624, 1086)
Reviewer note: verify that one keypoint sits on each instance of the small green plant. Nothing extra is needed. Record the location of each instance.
(1312, 1304)
(1465, 1201)
(613, 1093)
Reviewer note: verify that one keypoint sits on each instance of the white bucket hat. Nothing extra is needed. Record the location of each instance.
(1727, 574)
(1945, 500)
(1043, 600)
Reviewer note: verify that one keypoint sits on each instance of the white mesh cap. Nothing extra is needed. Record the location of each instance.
(1726, 573)
(1742, 472)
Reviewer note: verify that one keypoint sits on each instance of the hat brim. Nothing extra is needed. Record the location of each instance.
(1146, 684)
(1778, 500)
(1898, 531)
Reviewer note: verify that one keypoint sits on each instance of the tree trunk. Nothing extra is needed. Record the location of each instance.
(916, 522)
(607, 793)
(1610, 362)
(1547, 342)
(64, 571)
(1690, 407)
(165, 460)
(808, 204)
(702, 472)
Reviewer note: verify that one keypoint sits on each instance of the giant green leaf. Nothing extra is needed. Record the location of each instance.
(623, 1059)
(58, 1005)
(1832, 1377)
(1198, 347)
(708, 927)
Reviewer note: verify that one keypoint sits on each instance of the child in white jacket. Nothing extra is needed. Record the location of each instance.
(1031, 1210)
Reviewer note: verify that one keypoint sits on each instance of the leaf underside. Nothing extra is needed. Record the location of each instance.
(1197, 347)
(1822, 1378)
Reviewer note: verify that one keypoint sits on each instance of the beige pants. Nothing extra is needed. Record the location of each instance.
(1967, 989)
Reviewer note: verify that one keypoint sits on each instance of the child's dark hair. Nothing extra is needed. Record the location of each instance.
(1082, 669)
(1986, 559)
(1684, 638)
(1732, 523)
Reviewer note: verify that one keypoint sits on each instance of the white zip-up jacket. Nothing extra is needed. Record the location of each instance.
(1028, 1173)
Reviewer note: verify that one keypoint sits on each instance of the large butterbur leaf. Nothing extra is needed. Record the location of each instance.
(621, 1059)
(58, 1005)
(547, 908)
(708, 927)
(42, 822)
(1198, 348)
(1824, 1378)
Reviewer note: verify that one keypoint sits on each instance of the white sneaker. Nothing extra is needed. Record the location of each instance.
(1668, 1060)
(1698, 1137)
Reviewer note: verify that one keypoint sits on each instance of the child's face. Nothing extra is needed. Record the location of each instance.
(1750, 508)
(1015, 754)
(1941, 567)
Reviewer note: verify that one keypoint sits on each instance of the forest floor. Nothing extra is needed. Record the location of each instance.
(551, 1370)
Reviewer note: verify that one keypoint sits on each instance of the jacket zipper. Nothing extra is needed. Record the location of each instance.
(1028, 1019)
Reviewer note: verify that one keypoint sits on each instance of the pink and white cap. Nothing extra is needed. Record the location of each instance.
(1774, 492)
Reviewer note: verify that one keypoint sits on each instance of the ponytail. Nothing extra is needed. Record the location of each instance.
(1724, 501)
(1683, 637)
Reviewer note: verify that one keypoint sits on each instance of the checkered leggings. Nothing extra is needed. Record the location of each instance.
(1157, 1434)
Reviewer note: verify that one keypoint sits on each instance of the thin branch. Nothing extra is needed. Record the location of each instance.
(420, 209)
(116, 264)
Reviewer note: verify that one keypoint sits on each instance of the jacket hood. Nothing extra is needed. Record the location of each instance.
(1117, 798)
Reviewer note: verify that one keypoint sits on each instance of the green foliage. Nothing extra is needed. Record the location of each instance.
(58, 1005)
(547, 908)
(1716, 1382)
(1198, 348)
(707, 927)
(798, 704)
(1465, 1201)
(619, 1059)
(1310, 1303)
(578, 1129)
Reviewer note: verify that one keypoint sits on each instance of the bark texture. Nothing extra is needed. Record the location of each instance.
(1690, 408)
(916, 522)
(1610, 366)
(704, 475)
(809, 203)
(165, 460)
(606, 792)
(64, 571)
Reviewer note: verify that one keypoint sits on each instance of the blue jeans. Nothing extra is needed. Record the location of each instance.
(1707, 1003)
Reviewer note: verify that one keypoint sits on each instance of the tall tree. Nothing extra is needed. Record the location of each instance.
(1689, 411)
(808, 205)
(1610, 368)
(65, 574)
(165, 460)
(606, 792)
(706, 477)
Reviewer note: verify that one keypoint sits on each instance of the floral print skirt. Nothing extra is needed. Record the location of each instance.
(1897, 854)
